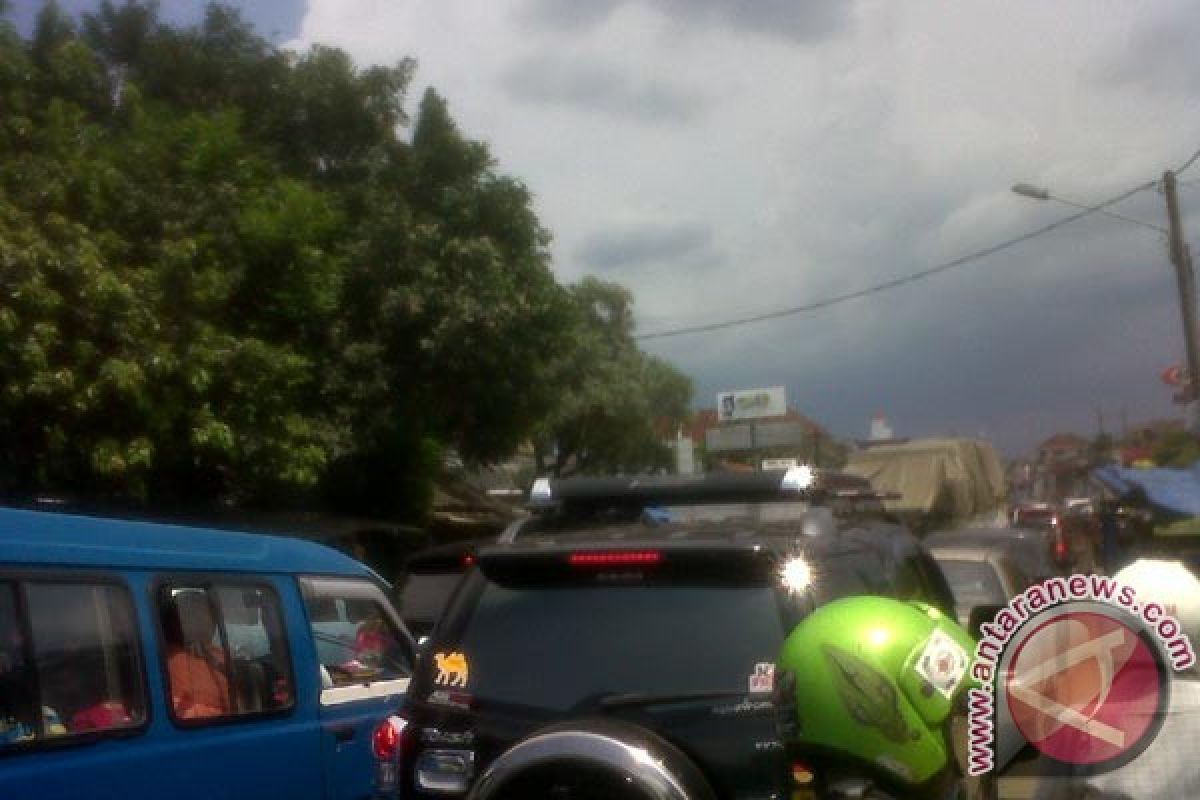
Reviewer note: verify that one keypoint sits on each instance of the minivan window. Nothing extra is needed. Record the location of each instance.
(846, 569)
(357, 636)
(625, 639)
(225, 651)
(18, 721)
(77, 670)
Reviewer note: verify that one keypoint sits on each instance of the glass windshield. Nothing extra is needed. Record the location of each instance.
(593, 640)
(973, 582)
(423, 598)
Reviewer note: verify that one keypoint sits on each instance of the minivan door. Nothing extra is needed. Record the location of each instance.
(366, 659)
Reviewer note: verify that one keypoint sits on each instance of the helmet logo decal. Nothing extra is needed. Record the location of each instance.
(943, 663)
(868, 695)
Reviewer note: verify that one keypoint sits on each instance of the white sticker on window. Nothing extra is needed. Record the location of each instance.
(762, 679)
(452, 669)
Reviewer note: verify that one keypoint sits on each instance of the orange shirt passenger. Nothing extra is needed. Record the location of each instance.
(196, 669)
(199, 686)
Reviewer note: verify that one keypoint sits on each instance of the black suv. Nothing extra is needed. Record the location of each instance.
(618, 643)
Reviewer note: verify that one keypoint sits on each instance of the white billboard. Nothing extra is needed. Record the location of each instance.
(751, 404)
(780, 463)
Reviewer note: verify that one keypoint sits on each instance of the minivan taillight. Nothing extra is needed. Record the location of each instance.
(387, 744)
(387, 738)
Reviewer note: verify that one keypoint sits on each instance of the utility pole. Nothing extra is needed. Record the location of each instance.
(1182, 260)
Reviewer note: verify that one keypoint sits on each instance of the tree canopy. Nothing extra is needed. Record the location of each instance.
(231, 273)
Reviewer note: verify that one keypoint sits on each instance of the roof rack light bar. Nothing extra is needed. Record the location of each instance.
(792, 484)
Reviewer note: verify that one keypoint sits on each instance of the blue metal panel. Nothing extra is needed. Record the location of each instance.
(42, 538)
(264, 757)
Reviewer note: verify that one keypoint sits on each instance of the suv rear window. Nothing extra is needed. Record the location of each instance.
(551, 647)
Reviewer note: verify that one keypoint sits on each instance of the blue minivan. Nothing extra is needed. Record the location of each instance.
(141, 660)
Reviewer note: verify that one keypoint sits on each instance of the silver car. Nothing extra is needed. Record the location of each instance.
(981, 572)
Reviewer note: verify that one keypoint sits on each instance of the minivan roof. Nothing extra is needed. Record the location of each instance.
(44, 538)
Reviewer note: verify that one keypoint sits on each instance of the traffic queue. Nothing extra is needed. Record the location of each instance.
(767, 634)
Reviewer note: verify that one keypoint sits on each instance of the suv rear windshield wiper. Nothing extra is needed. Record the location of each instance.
(625, 699)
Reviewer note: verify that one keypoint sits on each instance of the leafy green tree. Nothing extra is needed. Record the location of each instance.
(225, 276)
(1177, 449)
(166, 296)
(615, 401)
(150, 367)
(451, 316)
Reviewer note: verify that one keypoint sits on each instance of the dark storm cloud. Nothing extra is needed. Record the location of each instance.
(591, 86)
(649, 244)
(889, 150)
(977, 352)
(796, 20)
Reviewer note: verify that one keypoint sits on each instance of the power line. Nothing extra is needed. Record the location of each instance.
(894, 283)
(1189, 162)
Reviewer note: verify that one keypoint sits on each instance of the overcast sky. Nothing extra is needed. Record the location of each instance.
(723, 158)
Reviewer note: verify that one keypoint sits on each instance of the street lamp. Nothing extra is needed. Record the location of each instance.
(1039, 193)
(1180, 257)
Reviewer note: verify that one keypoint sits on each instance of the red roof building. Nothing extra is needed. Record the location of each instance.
(1063, 447)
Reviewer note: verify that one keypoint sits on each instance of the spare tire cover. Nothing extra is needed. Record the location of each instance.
(650, 766)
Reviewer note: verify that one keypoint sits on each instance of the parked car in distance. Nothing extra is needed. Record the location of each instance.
(142, 660)
(1032, 549)
(1079, 528)
(981, 572)
(1034, 515)
(1081, 505)
(1075, 531)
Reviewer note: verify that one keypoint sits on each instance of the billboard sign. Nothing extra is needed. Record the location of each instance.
(783, 433)
(780, 463)
(754, 436)
(727, 438)
(751, 404)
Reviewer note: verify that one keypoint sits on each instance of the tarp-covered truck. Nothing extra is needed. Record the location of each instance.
(935, 482)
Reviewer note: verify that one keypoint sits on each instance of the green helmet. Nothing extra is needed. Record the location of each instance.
(876, 680)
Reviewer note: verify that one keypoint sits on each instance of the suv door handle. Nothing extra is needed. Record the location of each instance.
(343, 733)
